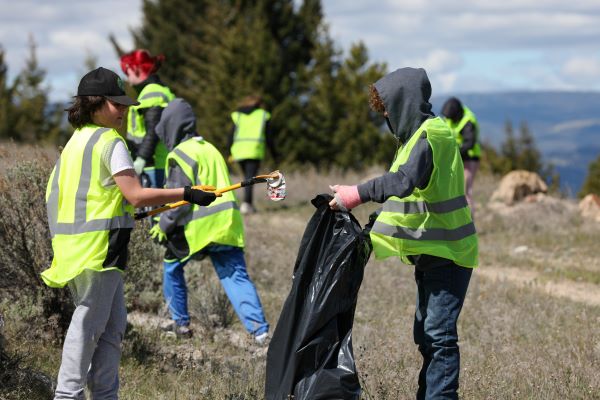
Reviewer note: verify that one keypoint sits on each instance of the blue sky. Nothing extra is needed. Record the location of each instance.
(467, 46)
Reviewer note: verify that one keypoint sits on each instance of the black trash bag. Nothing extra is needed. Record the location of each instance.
(310, 355)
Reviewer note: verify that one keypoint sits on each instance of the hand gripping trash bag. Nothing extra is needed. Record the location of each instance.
(310, 355)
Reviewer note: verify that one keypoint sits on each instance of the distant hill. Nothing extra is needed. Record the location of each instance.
(566, 125)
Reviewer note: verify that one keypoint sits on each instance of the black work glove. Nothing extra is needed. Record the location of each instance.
(197, 196)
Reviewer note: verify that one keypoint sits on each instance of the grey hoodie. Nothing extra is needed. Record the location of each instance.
(405, 94)
(177, 123)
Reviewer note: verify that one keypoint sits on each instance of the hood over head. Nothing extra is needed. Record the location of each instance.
(405, 94)
(177, 123)
(453, 109)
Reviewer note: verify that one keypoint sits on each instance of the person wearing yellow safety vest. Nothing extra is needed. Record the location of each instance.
(90, 197)
(425, 221)
(190, 231)
(465, 128)
(251, 132)
(153, 96)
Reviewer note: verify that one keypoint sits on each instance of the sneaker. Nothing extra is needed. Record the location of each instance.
(178, 331)
(247, 208)
(262, 339)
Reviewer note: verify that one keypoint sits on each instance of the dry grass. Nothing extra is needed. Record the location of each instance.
(517, 340)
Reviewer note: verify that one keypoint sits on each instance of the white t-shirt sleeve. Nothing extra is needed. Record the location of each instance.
(115, 158)
(120, 159)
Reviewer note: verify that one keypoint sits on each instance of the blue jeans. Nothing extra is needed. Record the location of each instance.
(441, 292)
(230, 266)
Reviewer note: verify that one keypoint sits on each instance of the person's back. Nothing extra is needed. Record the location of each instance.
(251, 134)
(221, 222)
(214, 231)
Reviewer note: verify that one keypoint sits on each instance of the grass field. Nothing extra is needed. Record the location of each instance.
(530, 327)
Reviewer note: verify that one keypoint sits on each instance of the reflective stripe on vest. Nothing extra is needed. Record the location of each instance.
(221, 221)
(400, 232)
(152, 95)
(435, 220)
(81, 211)
(419, 207)
(249, 136)
(206, 211)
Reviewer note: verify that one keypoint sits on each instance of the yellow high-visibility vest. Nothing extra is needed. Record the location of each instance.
(221, 221)
(435, 220)
(457, 128)
(90, 221)
(249, 136)
(152, 95)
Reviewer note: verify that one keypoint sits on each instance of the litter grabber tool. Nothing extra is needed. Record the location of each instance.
(276, 191)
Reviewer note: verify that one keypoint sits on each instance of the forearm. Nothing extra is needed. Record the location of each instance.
(129, 184)
(155, 197)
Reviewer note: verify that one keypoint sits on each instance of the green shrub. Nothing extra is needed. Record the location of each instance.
(17, 381)
(592, 180)
(26, 246)
(143, 277)
(209, 305)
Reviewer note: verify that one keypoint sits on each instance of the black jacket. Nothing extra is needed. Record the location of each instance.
(151, 119)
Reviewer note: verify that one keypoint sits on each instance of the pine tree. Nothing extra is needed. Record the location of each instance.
(30, 99)
(219, 51)
(35, 120)
(358, 130)
(491, 160)
(519, 153)
(592, 180)
(241, 59)
(509, 148)
(319, 108)
(529, 157)
(260, 48)
(6, 101)
(173, 28)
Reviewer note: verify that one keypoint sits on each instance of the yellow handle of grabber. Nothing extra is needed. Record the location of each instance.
(208, 188)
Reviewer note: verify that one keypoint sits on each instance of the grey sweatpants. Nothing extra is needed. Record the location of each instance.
(92, 349)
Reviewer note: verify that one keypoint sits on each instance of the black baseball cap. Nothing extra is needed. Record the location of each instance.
(104, 82)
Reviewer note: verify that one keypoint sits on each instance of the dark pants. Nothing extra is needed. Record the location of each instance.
(250, 169)
(441, 291)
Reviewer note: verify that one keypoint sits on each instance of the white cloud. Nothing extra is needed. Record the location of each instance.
(435, 34)
(582, 69)
(437, 61)
(415, 25)
(65, 32)
(412, 32)
(444, 82)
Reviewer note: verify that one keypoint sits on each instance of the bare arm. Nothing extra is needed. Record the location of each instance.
(129, 184)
